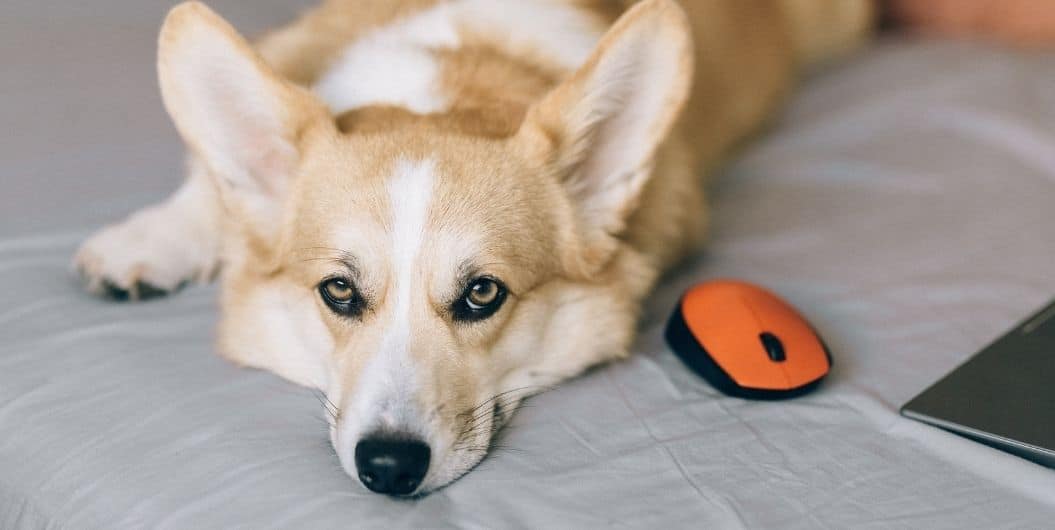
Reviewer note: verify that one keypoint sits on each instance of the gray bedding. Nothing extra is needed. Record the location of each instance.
(905, 202)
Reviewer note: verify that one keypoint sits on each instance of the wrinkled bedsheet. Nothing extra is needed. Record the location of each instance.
(905, 202)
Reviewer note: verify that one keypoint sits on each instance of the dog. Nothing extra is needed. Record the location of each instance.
(429, 210)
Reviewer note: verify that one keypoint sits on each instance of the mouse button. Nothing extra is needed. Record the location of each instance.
(804, 356)
(806, 362)
(805, 359)
(768, 306)
(781, 320)
(728, 331)
(714, 312)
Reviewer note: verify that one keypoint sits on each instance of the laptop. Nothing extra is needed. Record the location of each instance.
(1004, 396)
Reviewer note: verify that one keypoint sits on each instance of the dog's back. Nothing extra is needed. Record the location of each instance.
(749, 49)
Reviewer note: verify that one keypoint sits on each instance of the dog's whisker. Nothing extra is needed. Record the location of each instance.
(332, 409)
(481, 414)
(305, 260)
(475, 426)
(526, 389)
(331, 249)
(325, 404)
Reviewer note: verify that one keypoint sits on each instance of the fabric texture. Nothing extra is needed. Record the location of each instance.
(904, 202)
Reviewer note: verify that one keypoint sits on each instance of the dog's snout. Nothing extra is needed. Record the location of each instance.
(392, 466)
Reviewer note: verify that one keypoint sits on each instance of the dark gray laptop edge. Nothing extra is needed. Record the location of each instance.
(1003, 396)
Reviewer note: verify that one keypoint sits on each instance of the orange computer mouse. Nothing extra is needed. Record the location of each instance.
(746, 341)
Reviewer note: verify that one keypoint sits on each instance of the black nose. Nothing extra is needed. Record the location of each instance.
(391, 466)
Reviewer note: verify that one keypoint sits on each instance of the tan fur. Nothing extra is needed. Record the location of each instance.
(576, 188)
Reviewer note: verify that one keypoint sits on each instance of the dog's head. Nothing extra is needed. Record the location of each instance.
(426, 276)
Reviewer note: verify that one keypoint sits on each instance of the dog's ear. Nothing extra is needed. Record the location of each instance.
(242, 119)
(600, 128)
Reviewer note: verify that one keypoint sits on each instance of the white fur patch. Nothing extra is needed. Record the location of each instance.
(290, 336)
(553, 29)
(385, 395)
(409, 195)
(392, 65)
(396, 65)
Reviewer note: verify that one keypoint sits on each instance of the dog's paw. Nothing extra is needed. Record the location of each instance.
(152, 253)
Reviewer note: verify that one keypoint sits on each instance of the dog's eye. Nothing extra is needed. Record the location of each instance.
(482, 293)
(481, 298)
(340, 295)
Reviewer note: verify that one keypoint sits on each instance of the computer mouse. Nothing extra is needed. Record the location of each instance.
(746, 341)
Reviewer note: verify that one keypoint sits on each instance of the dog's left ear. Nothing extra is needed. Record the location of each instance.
(601, 127)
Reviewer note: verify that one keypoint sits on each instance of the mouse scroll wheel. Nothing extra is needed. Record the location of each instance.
(774, 348)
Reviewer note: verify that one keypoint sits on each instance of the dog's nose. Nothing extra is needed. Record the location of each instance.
(390, 465)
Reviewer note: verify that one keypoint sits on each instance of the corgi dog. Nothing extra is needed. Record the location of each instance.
(430, 209)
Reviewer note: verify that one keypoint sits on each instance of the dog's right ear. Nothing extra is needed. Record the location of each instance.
(241, 118)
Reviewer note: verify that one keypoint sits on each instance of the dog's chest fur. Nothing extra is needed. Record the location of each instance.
(487, 56)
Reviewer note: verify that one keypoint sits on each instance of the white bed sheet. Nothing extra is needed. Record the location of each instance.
(905, 202)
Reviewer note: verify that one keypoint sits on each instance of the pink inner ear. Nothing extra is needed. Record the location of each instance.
(241, 108)
(270, 161)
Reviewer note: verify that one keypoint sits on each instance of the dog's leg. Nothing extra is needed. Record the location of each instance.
(160, 248)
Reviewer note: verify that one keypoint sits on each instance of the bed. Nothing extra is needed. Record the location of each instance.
(905, 202)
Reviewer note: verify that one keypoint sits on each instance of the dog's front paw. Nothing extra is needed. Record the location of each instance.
(152, 253)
